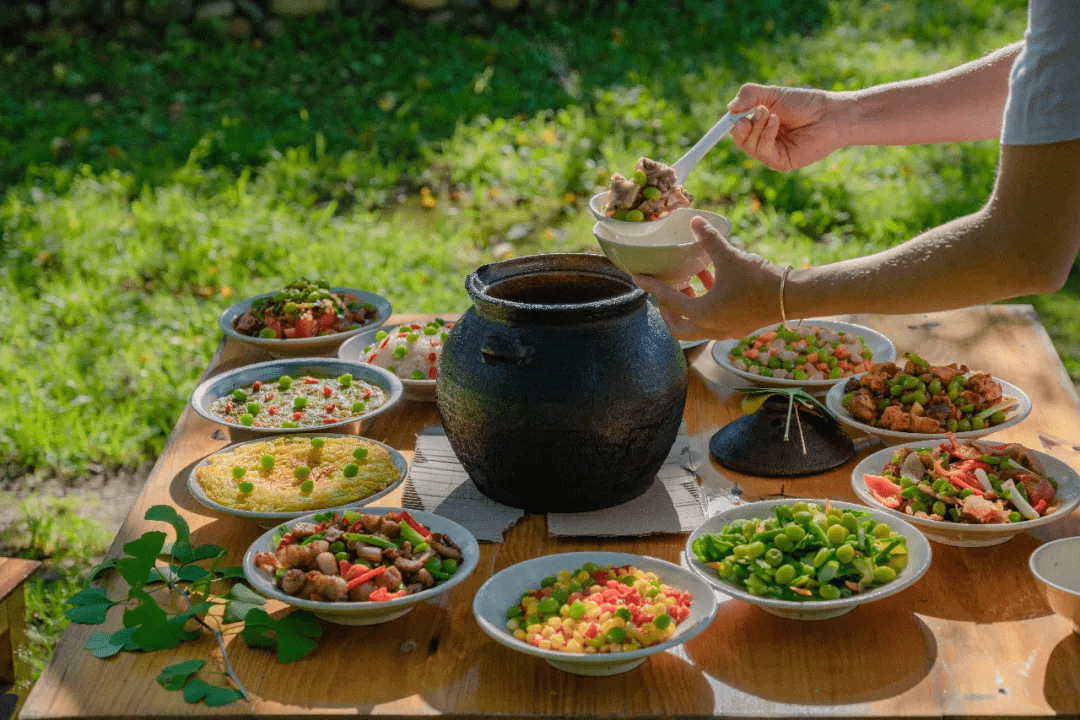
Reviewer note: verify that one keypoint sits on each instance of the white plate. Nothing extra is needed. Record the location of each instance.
(965, 534)
(880, 346)
(273, 519)
(835, 398)
(504, 589)
(303, 347)
(367, 613)
(918, 548)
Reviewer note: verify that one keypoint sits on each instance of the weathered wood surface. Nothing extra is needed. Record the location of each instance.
(974, 637)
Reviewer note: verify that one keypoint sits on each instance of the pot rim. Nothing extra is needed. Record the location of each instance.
(485, 277)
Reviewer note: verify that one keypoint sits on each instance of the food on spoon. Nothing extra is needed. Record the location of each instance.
(359, 557)
(649, 194)
(304, 309)
(289, 474)
(925, 398)
(970, 482)
(806, 352)
(302, 401)
(595, 609)
(411, 352)
(806, 552)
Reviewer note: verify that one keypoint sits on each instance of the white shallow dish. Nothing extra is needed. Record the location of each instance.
(204, 395)
(919, 555)
(882, 348)
(1054, 566)
(965, 534)
(367, 613)
(667, 249)
(304, 347)
(273, 519)
(835, 398)
(353, 350)
(504, 589)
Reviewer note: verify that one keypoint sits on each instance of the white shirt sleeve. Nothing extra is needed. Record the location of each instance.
(1043, 105)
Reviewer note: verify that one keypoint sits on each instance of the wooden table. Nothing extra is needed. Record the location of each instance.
(973, 637)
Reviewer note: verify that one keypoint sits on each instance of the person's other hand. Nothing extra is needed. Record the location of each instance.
(791, 128)
(742, 294)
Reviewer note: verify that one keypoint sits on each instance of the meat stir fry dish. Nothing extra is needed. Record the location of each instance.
(649, 194)
(925, 398)
(971, 482)
(360, 557)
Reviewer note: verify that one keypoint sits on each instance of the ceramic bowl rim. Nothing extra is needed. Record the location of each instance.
(383, 311)
(1042, 578)
(470, 551)
(939, 528)
(834, 399)
(721, 348)
(276, 516)
(393, 387)
(904, 579)
(567, 560)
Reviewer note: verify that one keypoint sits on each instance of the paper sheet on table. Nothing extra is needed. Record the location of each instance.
(437, 483)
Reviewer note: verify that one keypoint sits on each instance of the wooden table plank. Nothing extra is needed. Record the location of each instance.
(973, 637)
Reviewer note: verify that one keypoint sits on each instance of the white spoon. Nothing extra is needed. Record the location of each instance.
(682, 168)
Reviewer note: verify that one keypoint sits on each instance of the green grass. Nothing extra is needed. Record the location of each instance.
(150, 185)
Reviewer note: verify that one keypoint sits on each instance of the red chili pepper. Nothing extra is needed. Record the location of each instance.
(432, 373)
(297, 415)
(311, 381)
(371, 358)
(327, 391)
(257, 384)
(327, 421)
(1039, 506)
(414, 524)
(382, 595)
(364, 577)
(344, 566)
(330, 407)
(367, 394)
(432, 357)
(271, 410)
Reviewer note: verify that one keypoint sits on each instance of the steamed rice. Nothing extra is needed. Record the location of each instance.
(279, 490)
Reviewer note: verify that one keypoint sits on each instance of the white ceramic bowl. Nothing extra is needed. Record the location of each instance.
(835, 398)
(882, 348)
(918, 548)
(1056, 568)
(304, 347)
(268, 519)
(366, 613)
(504, 589)
(669, 251)
(623, 229)
(968, 534)
(218, 386)
(353, 350)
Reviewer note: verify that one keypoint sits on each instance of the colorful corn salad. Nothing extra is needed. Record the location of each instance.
(598, 610)
(806, 552)
(806, 352)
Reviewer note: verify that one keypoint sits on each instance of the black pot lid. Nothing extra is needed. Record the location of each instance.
(754, 444)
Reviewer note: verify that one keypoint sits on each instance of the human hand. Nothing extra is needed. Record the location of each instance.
(741, 296)
(791, 129)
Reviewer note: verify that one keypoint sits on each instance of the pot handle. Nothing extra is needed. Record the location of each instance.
(497, 349)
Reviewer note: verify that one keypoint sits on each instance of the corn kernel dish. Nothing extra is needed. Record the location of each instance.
(628, 607)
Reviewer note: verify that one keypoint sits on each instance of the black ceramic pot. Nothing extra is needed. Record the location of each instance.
(561, 389)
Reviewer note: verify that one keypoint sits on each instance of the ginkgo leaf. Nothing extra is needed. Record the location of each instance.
(142, 556)
(167, 513)
(241, 600)
(173, 677)
(90, 607)
(104, 645)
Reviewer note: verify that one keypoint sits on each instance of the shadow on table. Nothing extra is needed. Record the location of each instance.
(507, 682)
(1062, 684)
(817, 662)
(962, 575)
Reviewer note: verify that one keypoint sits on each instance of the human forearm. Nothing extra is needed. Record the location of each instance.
(961, 104)
(1022, 242)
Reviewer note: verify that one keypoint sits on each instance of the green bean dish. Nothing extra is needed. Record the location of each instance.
(806, 552)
